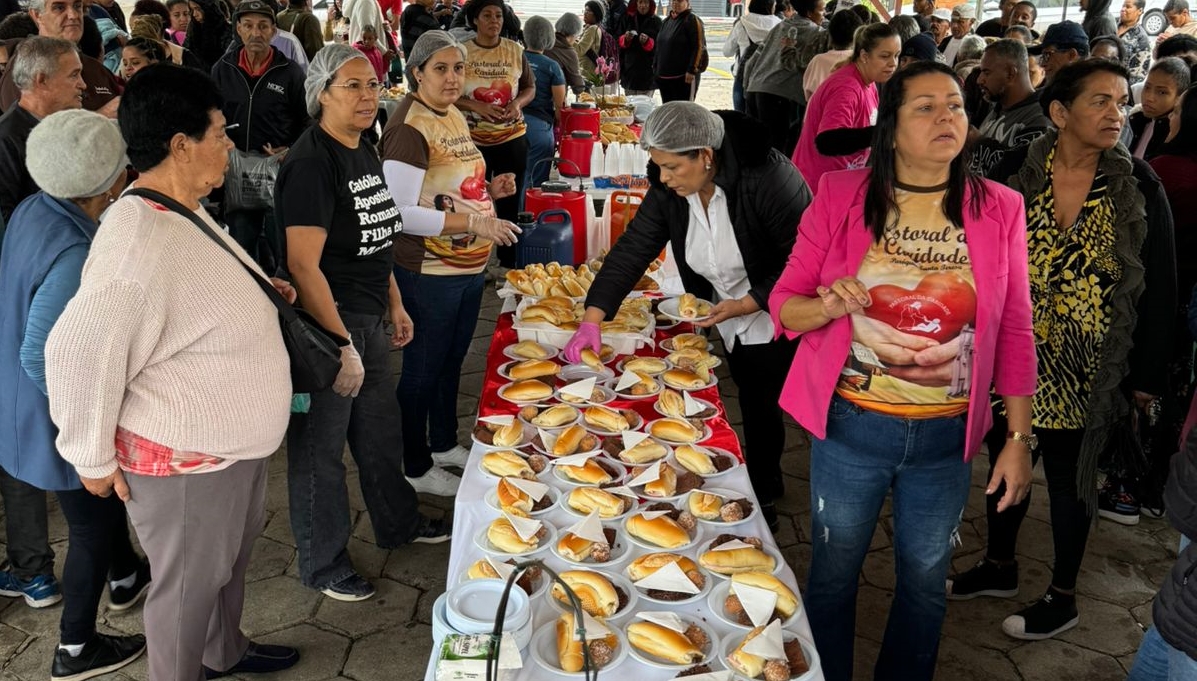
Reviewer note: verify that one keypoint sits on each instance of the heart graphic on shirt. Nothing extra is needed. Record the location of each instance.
(937, 308)
(473, 187)
(499, 93)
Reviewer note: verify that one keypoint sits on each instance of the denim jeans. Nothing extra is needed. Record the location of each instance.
(316, 441)
(540, 147)
(444, 310)
(863, 458)
(1159, 661)
(99, 549)
(27, 527)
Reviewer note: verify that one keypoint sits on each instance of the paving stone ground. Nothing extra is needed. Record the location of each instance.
(388, 638)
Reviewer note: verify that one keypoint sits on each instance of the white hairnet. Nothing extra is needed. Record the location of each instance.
(678, 127)
(428, 44)
(323, 68)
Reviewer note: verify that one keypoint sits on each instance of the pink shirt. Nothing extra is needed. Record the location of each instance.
(375, 56)
(832, 242)
(844, 100)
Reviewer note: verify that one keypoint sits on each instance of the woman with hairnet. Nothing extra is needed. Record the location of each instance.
(730, 207)
(438, 180)
(542, 111)
(341, 223)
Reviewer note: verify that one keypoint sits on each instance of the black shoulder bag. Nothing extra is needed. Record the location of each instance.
(315, 352)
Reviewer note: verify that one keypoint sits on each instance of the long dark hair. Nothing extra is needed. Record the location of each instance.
(880, 204)
(1185, 142)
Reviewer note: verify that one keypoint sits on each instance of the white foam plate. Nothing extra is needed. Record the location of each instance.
(540, 476)
(620, 473)
(778, 561)
(712, 648)
(702, 593)
(483, 543)
(552, 429)
(504, 369)
(622, 364)
(734, 639)
(541, 586)
(652, 395)
(564, 505)
(607, 396)
(616, 580)
(695, 537)
(704, 435)
(669, 309)
(544, 650)
(719, 594)
(619, 553)
(503, 388)
(635, 424)
(667, 345)
(529, 432)
(717, 450)
(729, 494)
(552, 352)
(705, 403)
(711, 382)
(581, 372)
(492, 500)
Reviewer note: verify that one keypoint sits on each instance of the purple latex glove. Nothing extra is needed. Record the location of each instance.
(588, 335)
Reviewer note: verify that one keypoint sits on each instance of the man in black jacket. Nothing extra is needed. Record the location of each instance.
(266, 111)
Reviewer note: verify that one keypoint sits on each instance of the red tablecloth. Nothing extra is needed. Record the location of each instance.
(490, 404)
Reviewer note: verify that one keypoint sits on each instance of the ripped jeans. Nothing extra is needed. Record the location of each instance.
(863, 458)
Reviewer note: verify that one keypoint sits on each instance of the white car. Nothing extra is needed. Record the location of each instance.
(1052, 11)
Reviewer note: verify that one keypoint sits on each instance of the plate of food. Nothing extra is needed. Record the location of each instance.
(573, 439)
(583, 500)
(799, 663)
(500, 538)
(728, 607)
(661, 525)
(497, 435)
(649, 564)
(508, 463)
(508, 496)
(686, 308)
(728, 554)
(529, 350)
(551, 417)
(522, 369)
(608, 421)
(686, 340)
(671, 640)
(720, 507)
(673, 403)
(646, 451)
(678, 431)
(709, 462)
(580, 372)
(583, 552)
(526, 392)
(645, 366)
(700, 378)
(554, 648)
(671, 484)
(598, 395)
(609, 596)
(633, 386)
(595, 471)
(532, 581)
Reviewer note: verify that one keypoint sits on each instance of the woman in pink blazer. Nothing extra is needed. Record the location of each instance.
(908, 283)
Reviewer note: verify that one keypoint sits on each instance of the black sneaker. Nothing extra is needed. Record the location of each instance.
(125, 597)
(350, 589)
(986, 578)
(432, 531)
(1118, 504)
(1053, 614)
(1151, 504)
(769, 513)
(260, 658)
(101, 655)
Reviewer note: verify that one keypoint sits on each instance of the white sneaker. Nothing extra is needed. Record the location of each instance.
(436, 481)
(454, 457)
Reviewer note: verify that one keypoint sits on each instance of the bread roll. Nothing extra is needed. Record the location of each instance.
(575, 548)
(661, 531)
(663, 642)
(644, 452)
(511, 435)
(687, 306)
(665, 485)
(507, 464)
(587, 499)
(506, 539)
(590, 473)
(689, 340)
(694, 460)
(645, 365)
(591, 359)
(529, 390)
(705, 505)
(529, 349)
(684, 379)
(787, 601)
(731, 561)
(569, 649)
(605, 419)
(747, 664)
(594, 591)
(568, 441)
(651, 562)
(482, 569)
(513, 499)
(557, 415)
(674, 430)
(533, 368)
(671, 403)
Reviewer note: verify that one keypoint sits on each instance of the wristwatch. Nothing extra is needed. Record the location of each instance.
(1029, 439)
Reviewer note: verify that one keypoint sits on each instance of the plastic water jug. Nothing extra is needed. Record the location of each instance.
(550, 239)
(576, 148)
(580, 116)
(558, 195)
(623, 207)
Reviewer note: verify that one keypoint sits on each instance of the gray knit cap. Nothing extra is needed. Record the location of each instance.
(428, 44)
(678, 127)
(75, 154)
(323, 68)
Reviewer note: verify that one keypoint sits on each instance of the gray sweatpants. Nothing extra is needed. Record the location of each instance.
(197, 531)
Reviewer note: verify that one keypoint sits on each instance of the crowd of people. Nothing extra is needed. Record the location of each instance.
(961, 236)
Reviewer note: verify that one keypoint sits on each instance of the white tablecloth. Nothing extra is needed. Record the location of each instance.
(472, 513)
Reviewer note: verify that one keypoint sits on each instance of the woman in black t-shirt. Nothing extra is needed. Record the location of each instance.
(341, 222)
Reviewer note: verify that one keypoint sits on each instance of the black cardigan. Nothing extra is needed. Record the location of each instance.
(766, 198)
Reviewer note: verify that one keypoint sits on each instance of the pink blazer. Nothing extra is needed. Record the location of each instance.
(832, 242)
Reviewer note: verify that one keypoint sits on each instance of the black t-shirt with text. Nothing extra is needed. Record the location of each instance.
(323, 183)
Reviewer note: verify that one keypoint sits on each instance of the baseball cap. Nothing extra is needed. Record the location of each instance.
(921, 47)
(253, 7)
(1066, 34)
(943, 14)
(965, 11)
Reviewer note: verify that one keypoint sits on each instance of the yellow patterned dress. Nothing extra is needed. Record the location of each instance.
(1073, 272)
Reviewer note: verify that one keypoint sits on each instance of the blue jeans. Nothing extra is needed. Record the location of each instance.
(444, 310)
(319, 500)
(863, 458)
(540, 147)
(1158, 661)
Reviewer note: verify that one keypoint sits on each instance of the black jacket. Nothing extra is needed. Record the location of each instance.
(766, 198)
(613, 20)
(1175, 609)
(16, 184)
(636, 58)
(269, 110)
(413, 23)
(1138, 123)
(679, 46)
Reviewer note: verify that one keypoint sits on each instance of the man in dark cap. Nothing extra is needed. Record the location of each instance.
(1062, 44)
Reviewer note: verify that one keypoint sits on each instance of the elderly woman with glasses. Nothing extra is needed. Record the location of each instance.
(341, 225)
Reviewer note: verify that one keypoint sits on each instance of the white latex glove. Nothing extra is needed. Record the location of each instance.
(353, 373)
(499, 231)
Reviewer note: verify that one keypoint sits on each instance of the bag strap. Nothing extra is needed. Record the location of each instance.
(284, 308)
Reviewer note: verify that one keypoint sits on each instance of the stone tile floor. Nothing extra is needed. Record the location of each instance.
(388, 638)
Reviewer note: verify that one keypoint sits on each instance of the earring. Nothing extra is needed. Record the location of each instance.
(708, 166)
